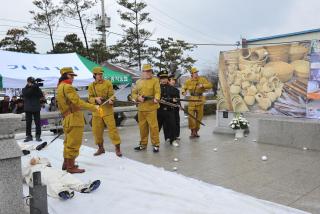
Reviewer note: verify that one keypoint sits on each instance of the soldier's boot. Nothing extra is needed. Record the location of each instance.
(196, 133)
(71, 168)
(64, 165)
(140, 148)
(193, 133)
(100, 150)
(118, 151)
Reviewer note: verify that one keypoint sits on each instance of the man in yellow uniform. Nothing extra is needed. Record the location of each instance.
(147, 93)
(69, 104)
(100, 91)
(196, 86)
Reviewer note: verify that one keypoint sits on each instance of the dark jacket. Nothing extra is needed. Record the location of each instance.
(32, 95)
(4, 107)
(168, 92)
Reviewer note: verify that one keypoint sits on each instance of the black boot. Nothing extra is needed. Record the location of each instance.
(65, 195)
(140, 148)
(155, 149)
(93, 186)
(38, 138)
(28, 138)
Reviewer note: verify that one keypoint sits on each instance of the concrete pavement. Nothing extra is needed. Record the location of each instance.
(289, 176)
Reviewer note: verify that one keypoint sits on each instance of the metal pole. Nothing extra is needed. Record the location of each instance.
(103, 27)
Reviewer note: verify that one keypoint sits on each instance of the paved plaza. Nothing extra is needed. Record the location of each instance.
(290, 176)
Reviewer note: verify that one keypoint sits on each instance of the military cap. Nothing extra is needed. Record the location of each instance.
(146, 67)
(163, 74)
(67, 70)
(97, 70)
(194, 70)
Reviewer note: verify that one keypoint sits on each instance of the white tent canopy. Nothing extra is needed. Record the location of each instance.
(16, 67)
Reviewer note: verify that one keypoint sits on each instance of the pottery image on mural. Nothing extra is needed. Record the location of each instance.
(301, 68)
(283, 70)
(266, 78)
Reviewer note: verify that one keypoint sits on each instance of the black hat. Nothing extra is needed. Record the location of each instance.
(30, 79)
(163, 74)
(172, 76)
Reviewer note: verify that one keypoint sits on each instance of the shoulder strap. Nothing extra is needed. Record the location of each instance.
(94, 90)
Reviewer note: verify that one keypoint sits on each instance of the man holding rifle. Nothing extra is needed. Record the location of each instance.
(196, 86)
(165, 114)
(100, 91)
(147, 109)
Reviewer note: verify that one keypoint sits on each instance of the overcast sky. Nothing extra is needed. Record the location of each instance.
(195, 21)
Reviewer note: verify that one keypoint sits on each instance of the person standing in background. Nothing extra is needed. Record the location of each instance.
(32, 95)
(5, 105)
(196, 86)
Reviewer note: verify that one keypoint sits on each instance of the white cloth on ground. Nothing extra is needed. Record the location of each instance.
(55, 179)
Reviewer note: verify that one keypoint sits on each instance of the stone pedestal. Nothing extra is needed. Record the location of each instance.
(11, 196)
(290, 132)
(223, 118)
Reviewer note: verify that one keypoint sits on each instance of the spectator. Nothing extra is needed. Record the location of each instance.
(5, 105)
(13, 103)
(19, 109)
(32, 95)
(53, 104)
(44, 108)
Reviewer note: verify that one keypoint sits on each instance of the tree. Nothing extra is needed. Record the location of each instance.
(71, 43)
(16, 41)
(99, 53)
(132, 46)
(45, 21)
(76, 9)
(170, 55)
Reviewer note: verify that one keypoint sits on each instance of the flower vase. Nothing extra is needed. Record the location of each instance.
(239, 133)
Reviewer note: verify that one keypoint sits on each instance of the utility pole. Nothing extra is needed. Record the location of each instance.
(138, 36)
(103, 27)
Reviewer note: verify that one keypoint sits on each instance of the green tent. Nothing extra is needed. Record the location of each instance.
(115, 77)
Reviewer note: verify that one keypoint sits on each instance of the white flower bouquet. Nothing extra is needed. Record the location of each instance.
(239, 122)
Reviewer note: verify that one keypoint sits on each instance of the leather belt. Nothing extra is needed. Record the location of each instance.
(196, 94)
(70, 112)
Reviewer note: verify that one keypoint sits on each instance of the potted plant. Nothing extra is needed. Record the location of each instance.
(239, 124)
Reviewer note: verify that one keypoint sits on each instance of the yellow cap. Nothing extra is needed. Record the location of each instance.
(146, 67)
(194, 70)
(97, 70)
(68, 70)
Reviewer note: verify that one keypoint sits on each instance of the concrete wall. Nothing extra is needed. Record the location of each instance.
(290, 132)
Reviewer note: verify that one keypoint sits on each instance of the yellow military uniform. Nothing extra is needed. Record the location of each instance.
(196, 93)
(69, 104)
(147, 111)
(103, 89)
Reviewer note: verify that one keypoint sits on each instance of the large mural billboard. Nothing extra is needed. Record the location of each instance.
(267, 79)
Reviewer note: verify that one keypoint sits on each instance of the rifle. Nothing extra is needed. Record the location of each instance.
(45, 144)
(178, 99)
(110, 98)
(179, 106)
(173, 105)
